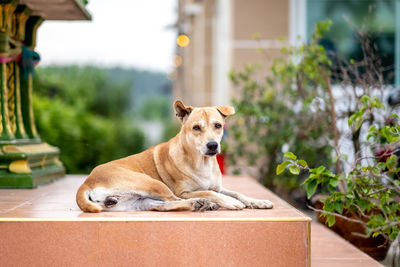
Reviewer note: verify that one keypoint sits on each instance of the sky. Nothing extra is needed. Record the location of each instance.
(127, 33)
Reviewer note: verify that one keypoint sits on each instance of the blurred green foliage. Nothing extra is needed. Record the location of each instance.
(88, 114)
(86, 88)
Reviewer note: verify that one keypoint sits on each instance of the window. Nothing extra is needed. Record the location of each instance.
(378, 17)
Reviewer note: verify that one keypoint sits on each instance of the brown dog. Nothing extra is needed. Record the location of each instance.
(181, 174)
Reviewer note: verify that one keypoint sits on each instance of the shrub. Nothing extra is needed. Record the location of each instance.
(79, 111)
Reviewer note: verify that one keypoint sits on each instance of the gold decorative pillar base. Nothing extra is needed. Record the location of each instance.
(29, 165)
(25, 160)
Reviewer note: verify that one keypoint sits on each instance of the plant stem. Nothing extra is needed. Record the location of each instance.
(356, 142)
(378, 191)
(338, 215)
(391, 224)
(335, 131)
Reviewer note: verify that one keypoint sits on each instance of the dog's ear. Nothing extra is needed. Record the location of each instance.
(226, 110)
(182, 111)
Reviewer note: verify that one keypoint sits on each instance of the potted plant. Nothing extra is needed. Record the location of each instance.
(367, 202)
(362, 190)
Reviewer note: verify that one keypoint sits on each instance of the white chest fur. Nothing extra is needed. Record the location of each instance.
(205, 176)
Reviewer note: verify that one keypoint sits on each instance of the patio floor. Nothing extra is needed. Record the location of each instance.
(23, 210)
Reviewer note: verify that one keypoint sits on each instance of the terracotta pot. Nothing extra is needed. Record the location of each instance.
(375, 247)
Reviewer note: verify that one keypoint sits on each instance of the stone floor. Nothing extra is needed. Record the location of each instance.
(56, 203)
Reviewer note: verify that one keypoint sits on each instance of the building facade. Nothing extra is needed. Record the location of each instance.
(221, 38)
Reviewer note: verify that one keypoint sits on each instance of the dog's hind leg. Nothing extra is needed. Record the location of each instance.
(163, 199)
(125, 201)
(138, 191)
(193, 204)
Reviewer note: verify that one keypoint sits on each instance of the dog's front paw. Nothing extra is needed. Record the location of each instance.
(257, 203)
(232, 204)
(202, 204)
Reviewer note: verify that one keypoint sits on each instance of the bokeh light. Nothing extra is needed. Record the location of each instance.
(178, 61)
(183, 40)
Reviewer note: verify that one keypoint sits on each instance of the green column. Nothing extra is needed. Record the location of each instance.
(14, 102)
(27, 105)
(6, 133)
(32, 24)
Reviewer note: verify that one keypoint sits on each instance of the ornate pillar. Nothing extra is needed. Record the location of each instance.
(25, 160)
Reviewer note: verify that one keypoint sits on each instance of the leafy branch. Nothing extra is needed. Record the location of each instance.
(371, 191)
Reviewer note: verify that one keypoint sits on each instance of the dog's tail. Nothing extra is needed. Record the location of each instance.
(83, 201)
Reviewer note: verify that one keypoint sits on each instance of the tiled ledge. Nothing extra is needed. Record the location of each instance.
(44, 226)
(330, 250)
(56, 201)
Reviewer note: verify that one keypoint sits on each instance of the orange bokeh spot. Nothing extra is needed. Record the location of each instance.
(183, 40)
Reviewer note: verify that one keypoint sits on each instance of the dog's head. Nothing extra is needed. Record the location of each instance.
(202, 128)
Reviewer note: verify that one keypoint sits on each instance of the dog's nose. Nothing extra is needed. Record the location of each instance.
(212, 145)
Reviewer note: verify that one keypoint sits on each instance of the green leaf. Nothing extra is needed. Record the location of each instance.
(332, 189)
(311, 187)
(365, 99)
(372, 128)
(363, 204)
(329, 207)
(312, 176)
(378, 219)
(356, 119)
(393, 235)
(290, 155)
(391, 162)
(376, 171)
(281, 167)
(375, 234)
(338, 206)
(302, 163)
(330, 219)
(320, 169)
(377, 104)
(334, 182)
(358, 123)
(381, 165)
(294, 169)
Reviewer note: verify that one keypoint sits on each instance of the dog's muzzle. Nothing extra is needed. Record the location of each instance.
(212, 148)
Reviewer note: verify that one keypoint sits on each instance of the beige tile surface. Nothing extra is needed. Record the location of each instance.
(329, 249)
(58, 200)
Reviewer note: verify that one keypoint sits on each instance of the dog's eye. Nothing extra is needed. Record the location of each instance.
(196, 128)
(218, 125)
